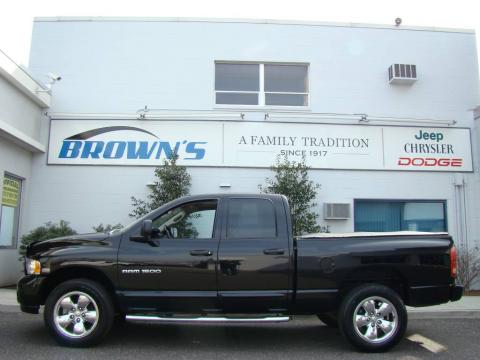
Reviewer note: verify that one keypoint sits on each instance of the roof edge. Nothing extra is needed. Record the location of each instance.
(21, 79)
(246, 21)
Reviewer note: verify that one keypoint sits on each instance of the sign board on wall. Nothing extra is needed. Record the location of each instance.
(257, 144)
(10, 192)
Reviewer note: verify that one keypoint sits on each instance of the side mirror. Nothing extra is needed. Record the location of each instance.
(145, 234)
(146, 229)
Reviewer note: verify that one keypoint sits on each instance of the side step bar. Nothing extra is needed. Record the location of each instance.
(206, 319)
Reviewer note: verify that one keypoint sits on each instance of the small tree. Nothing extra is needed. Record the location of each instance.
(47, 231)
(171, 182)
(468, 266)
(106, 228)
(291, 179)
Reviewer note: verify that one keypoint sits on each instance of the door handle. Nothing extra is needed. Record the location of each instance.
(274, 251)
(201, 252)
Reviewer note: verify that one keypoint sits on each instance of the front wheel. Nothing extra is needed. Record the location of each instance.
(373, 318)
(79, 313)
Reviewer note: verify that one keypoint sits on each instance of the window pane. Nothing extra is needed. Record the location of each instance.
(286, 78)
(190, 221)
(251, 218)
(236, 99)
(286, 99)
(10, 209)
(237, 77)
(377, 216)
(423, 216)
(400, 216)
(7, 226)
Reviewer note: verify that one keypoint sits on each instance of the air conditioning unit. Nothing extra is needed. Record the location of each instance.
(336, 211)
(402, 74)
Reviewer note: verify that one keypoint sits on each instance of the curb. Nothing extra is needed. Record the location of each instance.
(459, 314)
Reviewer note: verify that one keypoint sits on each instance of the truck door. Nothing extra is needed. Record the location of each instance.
(254, 257)
(176, 271)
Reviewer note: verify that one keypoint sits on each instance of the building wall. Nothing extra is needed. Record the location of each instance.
(21, 116)
(15, 161)
(19, 111)
(120, 66)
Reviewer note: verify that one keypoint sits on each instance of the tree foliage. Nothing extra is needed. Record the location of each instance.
(47, 231)
(171, 182)
(100, 228)
(291, 179)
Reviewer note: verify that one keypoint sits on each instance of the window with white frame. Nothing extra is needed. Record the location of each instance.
(10, 210)
(270, 84)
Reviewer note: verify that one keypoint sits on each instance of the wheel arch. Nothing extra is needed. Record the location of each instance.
(78, 272)
(383, 275)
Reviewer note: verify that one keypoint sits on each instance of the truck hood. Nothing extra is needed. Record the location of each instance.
(94, 239)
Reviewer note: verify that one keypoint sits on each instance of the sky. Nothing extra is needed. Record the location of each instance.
(16, 16)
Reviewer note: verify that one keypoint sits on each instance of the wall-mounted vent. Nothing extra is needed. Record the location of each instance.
(402, 74)
(336, 211)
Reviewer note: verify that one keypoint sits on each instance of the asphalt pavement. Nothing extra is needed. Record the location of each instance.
(24, 336)
(446, 331)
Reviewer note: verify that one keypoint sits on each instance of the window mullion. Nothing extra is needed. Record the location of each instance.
(261, 95)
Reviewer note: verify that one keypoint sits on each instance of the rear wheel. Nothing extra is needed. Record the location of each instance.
(79, 313)
(373, 318)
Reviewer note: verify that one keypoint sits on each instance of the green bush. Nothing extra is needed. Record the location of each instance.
(171, 182)
(291, 179)
(47, 231)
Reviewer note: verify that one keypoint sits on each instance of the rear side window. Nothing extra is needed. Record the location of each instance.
(251, 218)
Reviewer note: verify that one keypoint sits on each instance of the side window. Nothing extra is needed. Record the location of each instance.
(195, 220)
(10, 210)
(251, 218)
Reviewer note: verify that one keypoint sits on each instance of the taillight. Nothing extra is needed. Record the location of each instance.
(453, 262)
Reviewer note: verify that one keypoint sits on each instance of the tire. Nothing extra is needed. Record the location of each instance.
(389, 318)
(329, 318)
(79, 313)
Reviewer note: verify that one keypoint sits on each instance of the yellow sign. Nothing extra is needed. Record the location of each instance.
(11, 192)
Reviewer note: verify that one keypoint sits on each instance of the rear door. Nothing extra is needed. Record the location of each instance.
(254, 256)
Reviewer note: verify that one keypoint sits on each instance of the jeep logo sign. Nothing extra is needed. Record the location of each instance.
(257, 144)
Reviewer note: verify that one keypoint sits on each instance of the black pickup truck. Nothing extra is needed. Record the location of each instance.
(233, 258)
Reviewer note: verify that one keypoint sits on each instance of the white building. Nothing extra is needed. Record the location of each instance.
(383, 115)
(22, 103)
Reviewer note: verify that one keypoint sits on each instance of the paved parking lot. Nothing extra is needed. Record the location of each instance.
(23, 336)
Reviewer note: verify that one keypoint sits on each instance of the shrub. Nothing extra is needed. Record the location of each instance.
(172, 181)
(291, 179)
(468, 266)
(47, 231)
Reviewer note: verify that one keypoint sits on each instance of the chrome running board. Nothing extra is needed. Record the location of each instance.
(206, 319)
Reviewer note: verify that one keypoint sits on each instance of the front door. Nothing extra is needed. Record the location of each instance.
(254, 257)
(176, 271)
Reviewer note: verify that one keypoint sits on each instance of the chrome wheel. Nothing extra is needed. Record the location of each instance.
(75, 314)
(375, 319)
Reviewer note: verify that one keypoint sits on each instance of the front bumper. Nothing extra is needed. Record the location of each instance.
(30, 293)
